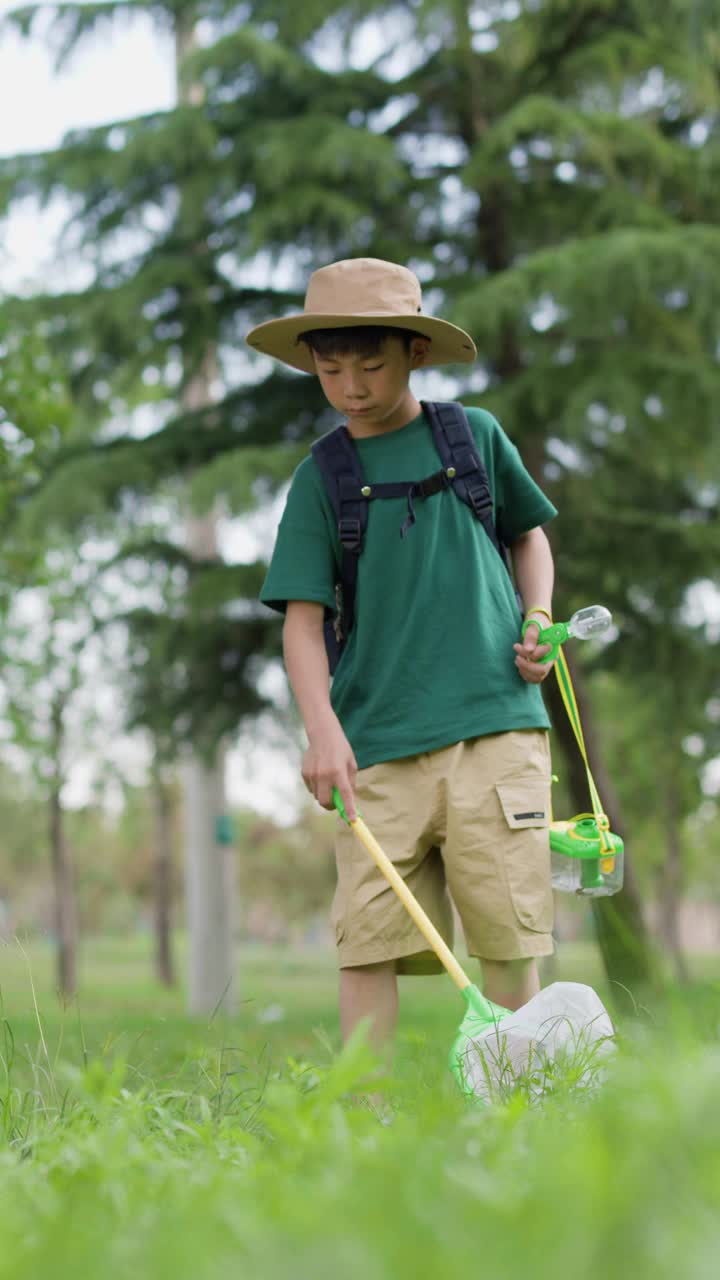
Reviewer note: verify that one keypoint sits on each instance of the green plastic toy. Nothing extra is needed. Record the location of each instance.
(586, 857)
(579, 862)
(584, 625)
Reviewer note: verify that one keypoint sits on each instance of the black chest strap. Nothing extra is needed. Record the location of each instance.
(339, 463)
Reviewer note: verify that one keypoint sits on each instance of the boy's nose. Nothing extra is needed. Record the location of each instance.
(355, 389)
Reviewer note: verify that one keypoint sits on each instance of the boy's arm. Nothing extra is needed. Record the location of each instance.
(329, 760)
(534, 576)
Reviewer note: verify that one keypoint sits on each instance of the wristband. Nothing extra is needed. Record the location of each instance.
(538, 608)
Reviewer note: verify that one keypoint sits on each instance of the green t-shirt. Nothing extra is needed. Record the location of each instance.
(430, 659)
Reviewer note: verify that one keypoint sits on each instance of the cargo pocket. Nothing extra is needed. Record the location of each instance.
(525, 803)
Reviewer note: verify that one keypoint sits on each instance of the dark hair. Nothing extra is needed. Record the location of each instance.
(361, 339)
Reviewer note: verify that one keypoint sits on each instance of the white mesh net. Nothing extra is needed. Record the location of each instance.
(563, 1035)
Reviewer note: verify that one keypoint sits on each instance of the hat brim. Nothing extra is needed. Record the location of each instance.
(281, 338)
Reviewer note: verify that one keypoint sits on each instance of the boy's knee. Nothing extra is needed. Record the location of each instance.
(510, 983)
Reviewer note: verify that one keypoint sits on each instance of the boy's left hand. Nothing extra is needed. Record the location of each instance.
(529, 655)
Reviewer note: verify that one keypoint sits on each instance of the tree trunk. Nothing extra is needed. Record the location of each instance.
(65, 912)
(621, 931)
(208, 869)
(210, 889)
(207, 862)
(163, 881)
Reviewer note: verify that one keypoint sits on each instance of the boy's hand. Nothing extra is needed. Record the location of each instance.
(329, 762)
(529, 655)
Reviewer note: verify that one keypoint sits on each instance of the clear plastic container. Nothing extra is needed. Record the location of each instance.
(591, 621)
(578, 863)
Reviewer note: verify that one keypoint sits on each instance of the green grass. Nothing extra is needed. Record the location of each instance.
(137, 1142)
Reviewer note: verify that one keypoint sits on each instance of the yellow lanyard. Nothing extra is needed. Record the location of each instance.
(568, 696)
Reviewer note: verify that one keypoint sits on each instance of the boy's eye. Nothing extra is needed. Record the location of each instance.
(372, 368)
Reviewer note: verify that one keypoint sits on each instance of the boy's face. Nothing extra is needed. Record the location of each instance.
(372, 392)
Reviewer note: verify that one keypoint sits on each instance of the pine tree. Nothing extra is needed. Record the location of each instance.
(34, 419)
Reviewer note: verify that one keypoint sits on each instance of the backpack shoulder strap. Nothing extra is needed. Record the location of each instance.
(341, 470)
(456, 445)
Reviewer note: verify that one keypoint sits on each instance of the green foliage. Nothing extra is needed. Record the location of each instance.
(243, 477)
(663, 792)
(193, 1152)
(193, 678)
(34, 418)
(285, 876)
(24, 838)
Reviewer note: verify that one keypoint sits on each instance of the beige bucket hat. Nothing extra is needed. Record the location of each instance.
(360, 291)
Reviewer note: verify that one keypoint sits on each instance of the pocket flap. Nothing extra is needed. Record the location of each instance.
(525, 802)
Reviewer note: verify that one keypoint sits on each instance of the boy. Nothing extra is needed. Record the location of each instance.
(435, 723)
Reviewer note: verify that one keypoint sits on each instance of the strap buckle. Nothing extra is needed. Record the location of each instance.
(431, 484)
(350, 533)
(480, 500)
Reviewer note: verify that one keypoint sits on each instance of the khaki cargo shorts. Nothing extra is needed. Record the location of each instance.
(470, 821)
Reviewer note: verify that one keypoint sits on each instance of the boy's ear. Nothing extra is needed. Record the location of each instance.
(419, 352)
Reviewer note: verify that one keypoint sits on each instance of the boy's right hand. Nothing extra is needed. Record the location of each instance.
(329, 762)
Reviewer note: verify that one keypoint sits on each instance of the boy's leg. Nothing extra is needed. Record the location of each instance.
(369, 991)
(510, 983)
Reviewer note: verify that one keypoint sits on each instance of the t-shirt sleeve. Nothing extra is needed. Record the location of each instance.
(520, 503)
(303, 565)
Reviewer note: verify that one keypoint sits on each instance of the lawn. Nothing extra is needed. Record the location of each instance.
(137, 1142)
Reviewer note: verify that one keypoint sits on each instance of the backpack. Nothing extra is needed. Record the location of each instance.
(462, 470)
